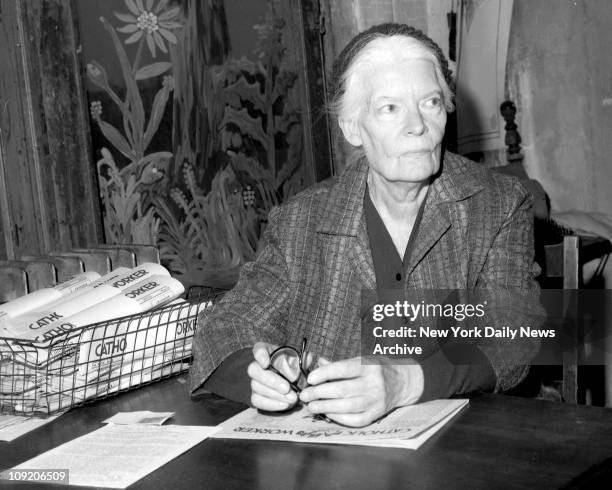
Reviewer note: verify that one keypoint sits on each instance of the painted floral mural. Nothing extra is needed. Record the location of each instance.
(231, 129)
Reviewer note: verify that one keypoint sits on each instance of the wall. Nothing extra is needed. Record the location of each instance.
(559, 77)
(437, 25)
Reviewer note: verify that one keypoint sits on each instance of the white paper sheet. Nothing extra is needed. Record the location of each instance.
(407, 427)
(139, 417)
(14, 426)
(117, 456)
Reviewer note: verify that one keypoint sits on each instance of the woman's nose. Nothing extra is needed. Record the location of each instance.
(413, 122)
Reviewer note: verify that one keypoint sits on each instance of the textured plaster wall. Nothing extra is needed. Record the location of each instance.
(560, 76)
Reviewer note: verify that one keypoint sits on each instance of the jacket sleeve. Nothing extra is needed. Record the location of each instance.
(507, 285)
(254, 310)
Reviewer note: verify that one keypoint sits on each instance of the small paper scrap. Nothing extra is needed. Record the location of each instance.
(142, 417)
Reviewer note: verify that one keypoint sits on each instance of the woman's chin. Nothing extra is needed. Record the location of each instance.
(414, 170)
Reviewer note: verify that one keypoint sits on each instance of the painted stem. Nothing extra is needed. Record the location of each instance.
(138, 54)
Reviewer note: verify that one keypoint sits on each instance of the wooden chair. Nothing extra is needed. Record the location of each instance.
(564, 261)
(560, 252)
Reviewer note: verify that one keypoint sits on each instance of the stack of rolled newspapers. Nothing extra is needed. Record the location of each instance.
(90, 337)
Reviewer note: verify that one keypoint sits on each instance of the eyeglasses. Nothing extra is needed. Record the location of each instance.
(291, 365)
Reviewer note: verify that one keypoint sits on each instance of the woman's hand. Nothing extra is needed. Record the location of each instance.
(269, 391)
(358, 391)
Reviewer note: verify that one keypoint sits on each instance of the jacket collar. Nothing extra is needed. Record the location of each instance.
(344, 203)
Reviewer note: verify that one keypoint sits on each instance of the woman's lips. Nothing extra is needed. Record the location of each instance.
(416, 152)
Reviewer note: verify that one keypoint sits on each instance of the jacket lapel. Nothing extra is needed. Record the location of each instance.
(345, 221)
(360, 256)
(450, 187)
(434, 224)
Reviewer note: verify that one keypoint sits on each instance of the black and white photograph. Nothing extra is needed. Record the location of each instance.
(306, 244)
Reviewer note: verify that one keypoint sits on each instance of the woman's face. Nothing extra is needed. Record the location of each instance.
(402, 126)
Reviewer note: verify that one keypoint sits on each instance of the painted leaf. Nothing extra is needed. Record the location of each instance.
(241, 90)
(133, 100)
(157, 112)
(248, 126)
(152, 70)
(116, 138)
(284, 122)
(284, 81)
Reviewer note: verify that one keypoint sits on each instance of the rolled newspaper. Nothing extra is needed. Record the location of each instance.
(39, 325)
(167, 331)
(38, 299)
(142, 296)
(145, 295)
(121, 278)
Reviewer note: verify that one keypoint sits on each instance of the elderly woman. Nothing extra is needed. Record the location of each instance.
(406, 215)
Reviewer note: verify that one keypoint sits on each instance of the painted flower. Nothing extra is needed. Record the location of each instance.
(95, 108)
(168, 81)
(155, 24)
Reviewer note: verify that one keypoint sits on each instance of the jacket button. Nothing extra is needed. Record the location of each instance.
(398, 276)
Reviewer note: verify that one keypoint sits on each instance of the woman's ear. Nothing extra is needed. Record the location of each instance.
(350, 130)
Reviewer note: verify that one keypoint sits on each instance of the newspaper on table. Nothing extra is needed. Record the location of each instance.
(406, 427)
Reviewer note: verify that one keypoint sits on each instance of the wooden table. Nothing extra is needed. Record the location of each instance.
(498, 442)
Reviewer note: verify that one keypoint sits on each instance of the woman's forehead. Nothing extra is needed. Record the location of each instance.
(407, 75)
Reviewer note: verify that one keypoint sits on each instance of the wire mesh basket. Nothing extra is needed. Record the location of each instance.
(98, 360)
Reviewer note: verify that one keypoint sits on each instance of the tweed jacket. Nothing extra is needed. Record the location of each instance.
(476, 232)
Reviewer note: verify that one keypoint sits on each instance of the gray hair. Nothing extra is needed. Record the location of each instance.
(346, 100)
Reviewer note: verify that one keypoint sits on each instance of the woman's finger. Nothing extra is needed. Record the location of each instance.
(261, 353)
(356, 404)
(351, 419)
(333, 389)
(268, 378)
(349, 368)
(264, 403)
(267, 392)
